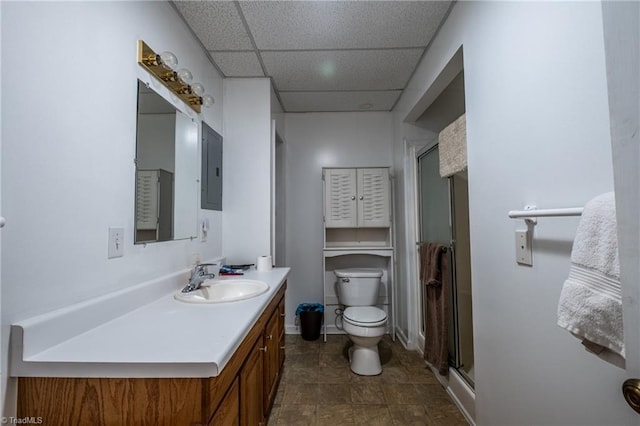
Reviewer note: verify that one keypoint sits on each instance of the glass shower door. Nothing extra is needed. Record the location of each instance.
(435, 217)
(444, 218)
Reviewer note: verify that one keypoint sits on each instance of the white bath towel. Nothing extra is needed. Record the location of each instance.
(590, 304)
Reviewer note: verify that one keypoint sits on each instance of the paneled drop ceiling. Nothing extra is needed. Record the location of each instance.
(320, 55)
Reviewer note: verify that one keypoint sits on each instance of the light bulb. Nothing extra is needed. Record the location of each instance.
(168, 60)
(197, 89)
(207, 100)
(184, 76)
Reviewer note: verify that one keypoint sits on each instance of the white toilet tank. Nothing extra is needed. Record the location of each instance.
(358, 286)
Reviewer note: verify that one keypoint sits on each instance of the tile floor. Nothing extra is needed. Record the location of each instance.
(318, 388)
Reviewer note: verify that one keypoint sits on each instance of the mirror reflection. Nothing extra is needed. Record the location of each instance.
(166, 170)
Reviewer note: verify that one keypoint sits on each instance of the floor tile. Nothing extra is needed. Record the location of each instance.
(401, 393)
(303, 359)
(297, 415)
(409, 415)
(445, 415)
(295, 394)
(298, 375)
(319, 388)
(372, 415)
(333, 375)
(367, 394)
(334, 394)
(332, 415)
(328, 359)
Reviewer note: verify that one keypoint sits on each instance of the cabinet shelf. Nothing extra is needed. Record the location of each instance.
(344, 251)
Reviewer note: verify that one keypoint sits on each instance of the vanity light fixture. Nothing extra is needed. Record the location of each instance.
(183, 76)
(163, 66)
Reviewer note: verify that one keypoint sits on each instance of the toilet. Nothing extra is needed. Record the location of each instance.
(364, 323)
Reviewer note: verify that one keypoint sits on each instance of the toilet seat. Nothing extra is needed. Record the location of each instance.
(365, 316)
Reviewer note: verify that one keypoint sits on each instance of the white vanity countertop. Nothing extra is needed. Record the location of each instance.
(164, 338)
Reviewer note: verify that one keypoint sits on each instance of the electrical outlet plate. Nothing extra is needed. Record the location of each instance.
(116, 242)
(523, 248)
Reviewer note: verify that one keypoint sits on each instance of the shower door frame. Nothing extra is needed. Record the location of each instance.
(455, 358)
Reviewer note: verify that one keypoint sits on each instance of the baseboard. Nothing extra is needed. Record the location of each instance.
(291, 329)
(295, 329)
(403, 338)
(463, 396)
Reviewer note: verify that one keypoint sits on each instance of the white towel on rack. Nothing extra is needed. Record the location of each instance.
(590, 304)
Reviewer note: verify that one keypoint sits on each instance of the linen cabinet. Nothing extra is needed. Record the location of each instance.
(358, 233)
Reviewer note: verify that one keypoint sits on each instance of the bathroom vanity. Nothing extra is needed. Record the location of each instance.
(222, 367)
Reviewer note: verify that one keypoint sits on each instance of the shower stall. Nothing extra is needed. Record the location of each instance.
(443, 212)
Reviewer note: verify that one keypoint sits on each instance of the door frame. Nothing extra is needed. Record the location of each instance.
(621, 43)
(412, 150)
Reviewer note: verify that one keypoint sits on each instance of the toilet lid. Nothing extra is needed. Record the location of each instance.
(358, 273)
(366, 315)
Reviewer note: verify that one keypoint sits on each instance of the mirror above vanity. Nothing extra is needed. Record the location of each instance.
(167, 170)
(167, 181)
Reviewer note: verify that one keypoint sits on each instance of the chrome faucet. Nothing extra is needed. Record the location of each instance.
(199, 274)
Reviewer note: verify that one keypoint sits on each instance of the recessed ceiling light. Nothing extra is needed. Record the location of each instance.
(366, 105)
(327, 69)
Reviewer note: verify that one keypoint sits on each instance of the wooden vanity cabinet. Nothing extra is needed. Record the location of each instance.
(252, 388)
(260, 369)
(281, 344)
(271, 359)
(242, 394)
(228, 412)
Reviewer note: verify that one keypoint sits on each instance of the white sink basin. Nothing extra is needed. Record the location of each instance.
(222, 291)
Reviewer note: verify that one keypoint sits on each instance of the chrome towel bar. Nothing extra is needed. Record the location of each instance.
(571, 211)
(530, 213)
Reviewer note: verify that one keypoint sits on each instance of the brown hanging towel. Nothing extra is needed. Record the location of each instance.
(434, 279)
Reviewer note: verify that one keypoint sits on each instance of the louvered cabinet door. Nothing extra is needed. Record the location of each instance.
(147, 199)
(340, 198)
(373, 198)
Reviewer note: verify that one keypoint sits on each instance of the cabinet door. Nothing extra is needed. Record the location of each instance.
(340, 198)
(373, 198)
(228, 412)
(251, 387)
(211, 178)
(271, 360)
(281, 347)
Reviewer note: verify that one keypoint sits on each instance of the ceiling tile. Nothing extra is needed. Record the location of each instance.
(339, 101)
(216, 23)
(238, 64)
(341, 70)
(281, 25)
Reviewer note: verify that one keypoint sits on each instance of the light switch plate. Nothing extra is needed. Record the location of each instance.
(116, 242)
(523, 248)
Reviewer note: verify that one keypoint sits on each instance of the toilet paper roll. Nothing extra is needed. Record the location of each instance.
(264, 263)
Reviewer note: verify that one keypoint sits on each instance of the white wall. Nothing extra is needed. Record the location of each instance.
(155, 142)
(538, 133)
(314, 141)
(69, 86)
(246, 171)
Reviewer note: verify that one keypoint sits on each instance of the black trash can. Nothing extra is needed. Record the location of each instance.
(310, 315)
